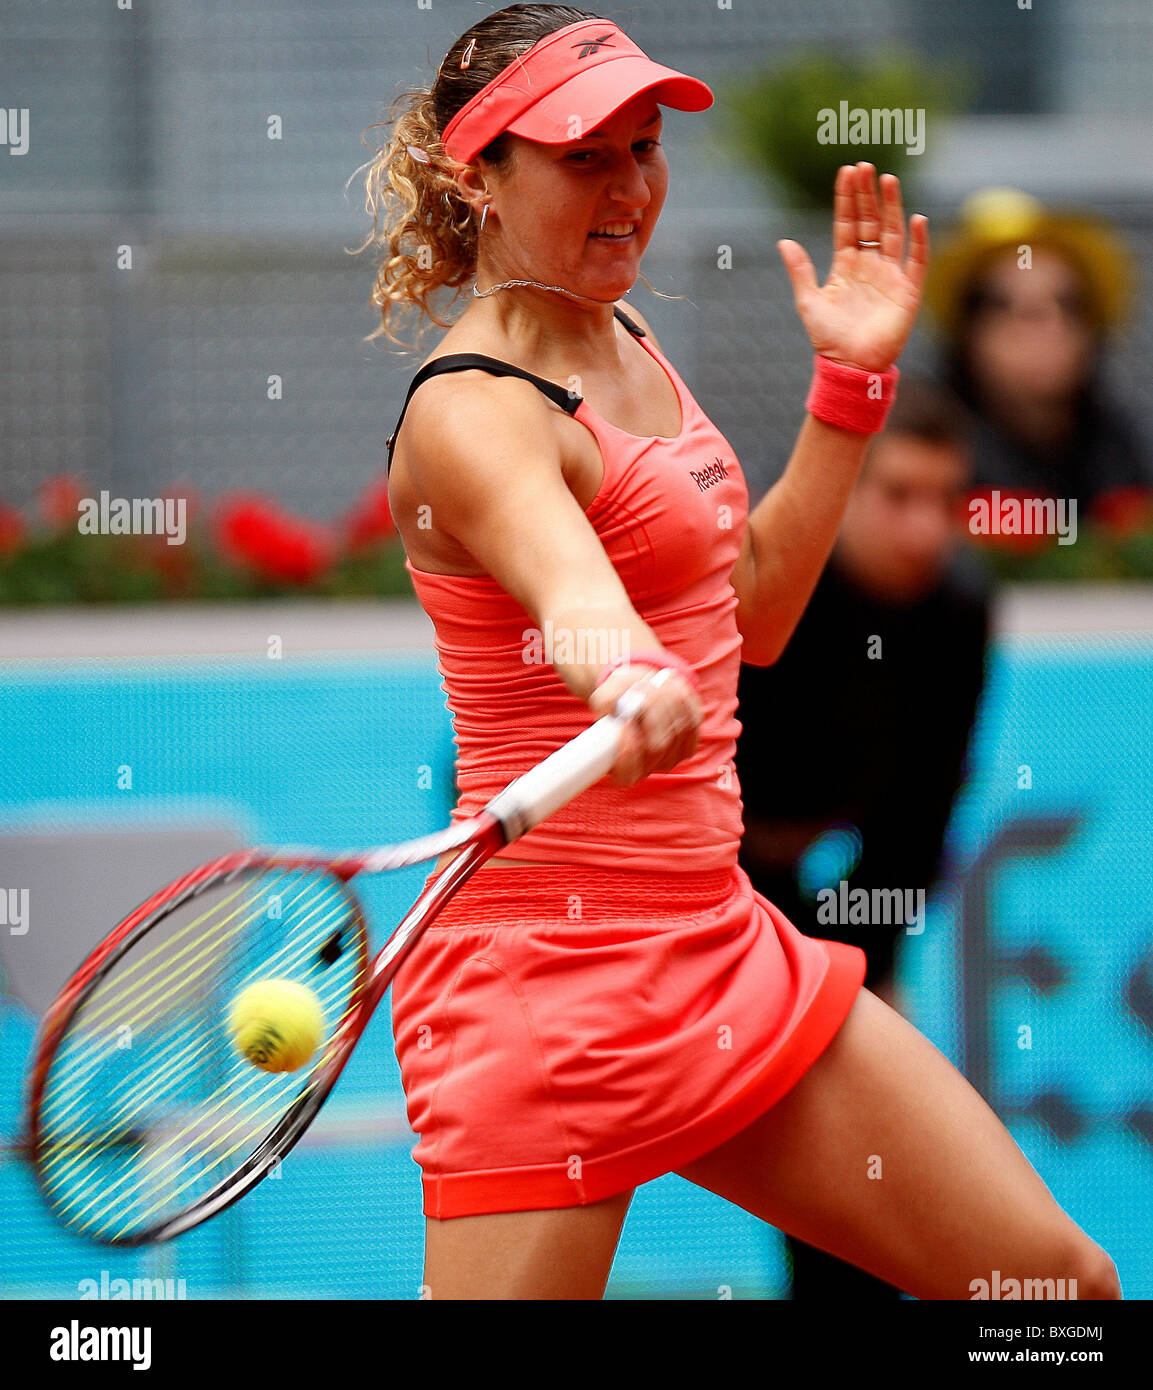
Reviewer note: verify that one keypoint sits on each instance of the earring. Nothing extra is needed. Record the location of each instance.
(483, 218)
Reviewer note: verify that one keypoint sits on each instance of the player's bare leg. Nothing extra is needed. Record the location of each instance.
(557, 1254)
(885, 1156)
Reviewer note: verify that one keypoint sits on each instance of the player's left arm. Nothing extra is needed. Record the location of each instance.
(861, 317)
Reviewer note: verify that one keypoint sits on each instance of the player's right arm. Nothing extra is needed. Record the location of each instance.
(484, 455)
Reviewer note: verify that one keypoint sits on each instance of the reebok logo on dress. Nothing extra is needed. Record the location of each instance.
(709, 477)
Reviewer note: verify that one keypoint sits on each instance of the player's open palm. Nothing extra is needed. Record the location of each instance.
(864, 312)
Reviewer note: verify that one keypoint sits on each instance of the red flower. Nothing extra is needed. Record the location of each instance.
(175, 564)
(60, 500)
(1125, 511)
(11, 529)
(253, 532)
(370, 521)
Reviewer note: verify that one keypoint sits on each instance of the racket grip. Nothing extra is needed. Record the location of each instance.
(563, 774)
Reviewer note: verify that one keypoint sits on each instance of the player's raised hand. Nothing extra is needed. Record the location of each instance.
(864, 312)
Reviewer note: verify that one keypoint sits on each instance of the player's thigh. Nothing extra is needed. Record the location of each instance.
(563, 1253)
(884, 1155)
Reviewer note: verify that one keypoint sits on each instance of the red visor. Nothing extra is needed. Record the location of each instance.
(565, 86)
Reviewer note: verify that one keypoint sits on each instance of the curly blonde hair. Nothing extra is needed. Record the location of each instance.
(426, 228)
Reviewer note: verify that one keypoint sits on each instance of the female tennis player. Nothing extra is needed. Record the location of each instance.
(614, 1002)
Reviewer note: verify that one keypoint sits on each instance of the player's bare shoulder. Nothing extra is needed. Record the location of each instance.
(465, 435)
(463, 424)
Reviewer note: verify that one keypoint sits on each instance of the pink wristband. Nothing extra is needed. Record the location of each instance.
(664, 661)
(850, 397)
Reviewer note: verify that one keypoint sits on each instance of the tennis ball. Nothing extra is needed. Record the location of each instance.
(276, 1024)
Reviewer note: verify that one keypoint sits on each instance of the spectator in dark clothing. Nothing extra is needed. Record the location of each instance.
(1027, 300)
(854, 742)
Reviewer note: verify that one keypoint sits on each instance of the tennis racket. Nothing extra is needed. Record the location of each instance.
(144, 1119)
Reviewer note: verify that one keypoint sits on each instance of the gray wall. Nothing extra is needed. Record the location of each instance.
(148, 129)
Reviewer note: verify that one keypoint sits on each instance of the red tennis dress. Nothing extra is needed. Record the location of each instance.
(569, 1030)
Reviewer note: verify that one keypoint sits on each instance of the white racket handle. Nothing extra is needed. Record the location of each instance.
(564, 774)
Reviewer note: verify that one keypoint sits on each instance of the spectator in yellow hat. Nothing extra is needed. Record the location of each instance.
(1027, 299)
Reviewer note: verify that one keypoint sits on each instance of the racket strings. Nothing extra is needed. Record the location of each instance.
(282, 962)
(233, 1116)
(179, 969)
(121, 1117)
(148, 1103)
(210, 920)
(142, 1009)
(228, 1098)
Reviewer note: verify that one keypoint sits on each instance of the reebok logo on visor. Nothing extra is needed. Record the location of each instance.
(591, 45)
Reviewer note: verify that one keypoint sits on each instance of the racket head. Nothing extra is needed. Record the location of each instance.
(144, 1118)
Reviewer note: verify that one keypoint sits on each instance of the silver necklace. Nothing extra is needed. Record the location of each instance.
(558, 289)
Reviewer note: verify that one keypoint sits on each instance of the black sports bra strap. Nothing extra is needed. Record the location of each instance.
(473, 361)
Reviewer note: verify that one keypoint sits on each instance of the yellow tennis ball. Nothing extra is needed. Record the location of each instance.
(276, 1024)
